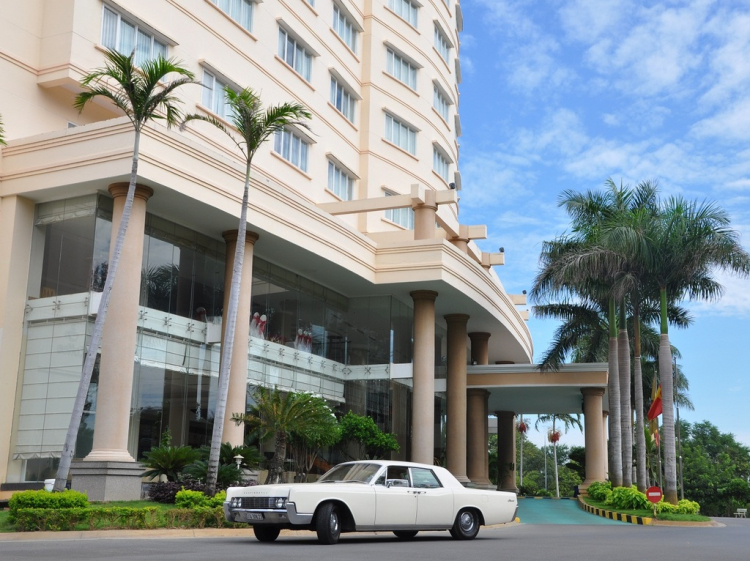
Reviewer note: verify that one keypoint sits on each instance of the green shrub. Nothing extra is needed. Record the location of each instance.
(628, 498)
(45, 500)
(168, 461)
(682, 507)
(65, 519)
(599, 489)
(190, 499)
(197, 499)
(543, 493)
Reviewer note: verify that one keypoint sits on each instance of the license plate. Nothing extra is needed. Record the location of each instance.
(254, 516)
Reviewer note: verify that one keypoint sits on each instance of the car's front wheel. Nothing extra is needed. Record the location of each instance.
(466, 526)
(266, 533)
(328, 524)
(405, 534)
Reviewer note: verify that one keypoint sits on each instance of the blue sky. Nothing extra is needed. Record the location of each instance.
(561, 94)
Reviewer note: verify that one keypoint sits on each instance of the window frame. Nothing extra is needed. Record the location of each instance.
(439, 94)
(350, 26)
(305, 71)
(395, 68)
(441, 162)
(338, 83)
(249, 3)
(442, 43)
(398, 6)
(410, 146)
(403, 216)
(139, 30)
(284, 145)
(337, 170)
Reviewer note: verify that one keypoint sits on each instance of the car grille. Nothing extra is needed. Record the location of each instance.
(258, 502)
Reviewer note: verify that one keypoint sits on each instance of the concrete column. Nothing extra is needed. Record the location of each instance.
(462, 240)
(237, 393)
(506, 451)
(456, 394)
(424, 217)
(480, 354)
(16, 226)
(476, 437)
(480, 348)
(119, 336)
(595, 451)
(423, 396)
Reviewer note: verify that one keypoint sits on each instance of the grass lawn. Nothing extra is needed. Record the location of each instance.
(648, 513)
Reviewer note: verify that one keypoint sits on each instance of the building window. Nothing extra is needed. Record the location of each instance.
(401, 216)
(440, 163)
(440, 102)
(442, 45)
(342, 99)
(294, 54)
(400, 134)
(214, 97)
(340, 183)
(401, 69)
(123, 36)
(292, 147)
(405, 9)
(240, 11)
(344, 27)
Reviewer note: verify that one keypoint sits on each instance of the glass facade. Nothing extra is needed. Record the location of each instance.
(304, 336)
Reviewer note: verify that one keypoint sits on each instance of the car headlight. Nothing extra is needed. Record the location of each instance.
(235, 502)
(280, 502)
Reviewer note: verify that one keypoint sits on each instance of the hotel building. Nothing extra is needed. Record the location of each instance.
(360, 284)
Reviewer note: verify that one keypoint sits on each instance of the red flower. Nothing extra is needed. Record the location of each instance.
(553, 436)
(522, 427)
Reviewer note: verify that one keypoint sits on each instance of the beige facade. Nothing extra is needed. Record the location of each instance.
(352, 205)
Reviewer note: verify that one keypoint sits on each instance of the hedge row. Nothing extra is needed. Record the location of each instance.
(118, 518)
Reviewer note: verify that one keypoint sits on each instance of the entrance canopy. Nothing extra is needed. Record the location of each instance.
(523, 388)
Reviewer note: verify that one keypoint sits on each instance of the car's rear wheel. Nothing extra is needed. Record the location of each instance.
(405, 534)
(466, 526)
(266, 533)
(328, 524)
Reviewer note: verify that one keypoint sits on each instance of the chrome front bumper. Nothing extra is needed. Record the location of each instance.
(276, 517)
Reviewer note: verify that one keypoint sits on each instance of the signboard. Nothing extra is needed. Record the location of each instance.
(653, 494)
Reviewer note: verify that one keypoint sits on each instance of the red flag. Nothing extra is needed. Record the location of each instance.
(656, 408)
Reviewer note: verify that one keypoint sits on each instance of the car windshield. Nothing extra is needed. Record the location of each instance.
(354, 473)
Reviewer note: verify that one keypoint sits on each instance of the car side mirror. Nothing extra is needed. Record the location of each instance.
(397, 483)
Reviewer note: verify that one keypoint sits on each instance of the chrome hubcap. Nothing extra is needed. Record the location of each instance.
(334, 523)
(466, 521)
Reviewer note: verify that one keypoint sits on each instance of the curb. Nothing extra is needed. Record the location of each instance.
(629, 518)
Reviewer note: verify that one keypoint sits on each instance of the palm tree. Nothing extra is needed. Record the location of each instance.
(254, 126)
(2, 133)
(281, 414)
(683, 248)
(554, 435)
(143, 94)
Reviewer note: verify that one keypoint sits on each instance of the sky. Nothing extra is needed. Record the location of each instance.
(562, 94)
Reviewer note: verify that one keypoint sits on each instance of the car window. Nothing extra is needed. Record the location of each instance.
(424, 478)
(356, 473)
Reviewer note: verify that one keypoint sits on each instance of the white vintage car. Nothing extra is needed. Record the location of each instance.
(400, 497)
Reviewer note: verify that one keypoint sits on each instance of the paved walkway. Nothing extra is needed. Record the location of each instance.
(556, 511)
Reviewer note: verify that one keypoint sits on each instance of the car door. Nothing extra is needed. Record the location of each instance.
(395, 501)
(434, 502)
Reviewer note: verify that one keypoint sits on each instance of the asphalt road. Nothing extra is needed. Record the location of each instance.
(516, 542)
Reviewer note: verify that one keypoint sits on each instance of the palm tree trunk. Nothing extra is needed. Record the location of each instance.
(228, 342)
(521, 465)
(667, 396)
(71, 437)
(626, 426)
(640, 434)
(554, 444)
(276, 468)
(613, 389)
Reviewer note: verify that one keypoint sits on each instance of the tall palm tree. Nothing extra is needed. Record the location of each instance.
(688, 242)
(254, 126)
(281, 414)
(2, 133)
(143, 94)
(567, 422)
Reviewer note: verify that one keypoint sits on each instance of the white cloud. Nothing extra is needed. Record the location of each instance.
(583, 20)
(735, 302)
(733, 123)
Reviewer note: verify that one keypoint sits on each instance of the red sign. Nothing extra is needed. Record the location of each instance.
(653, 494)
